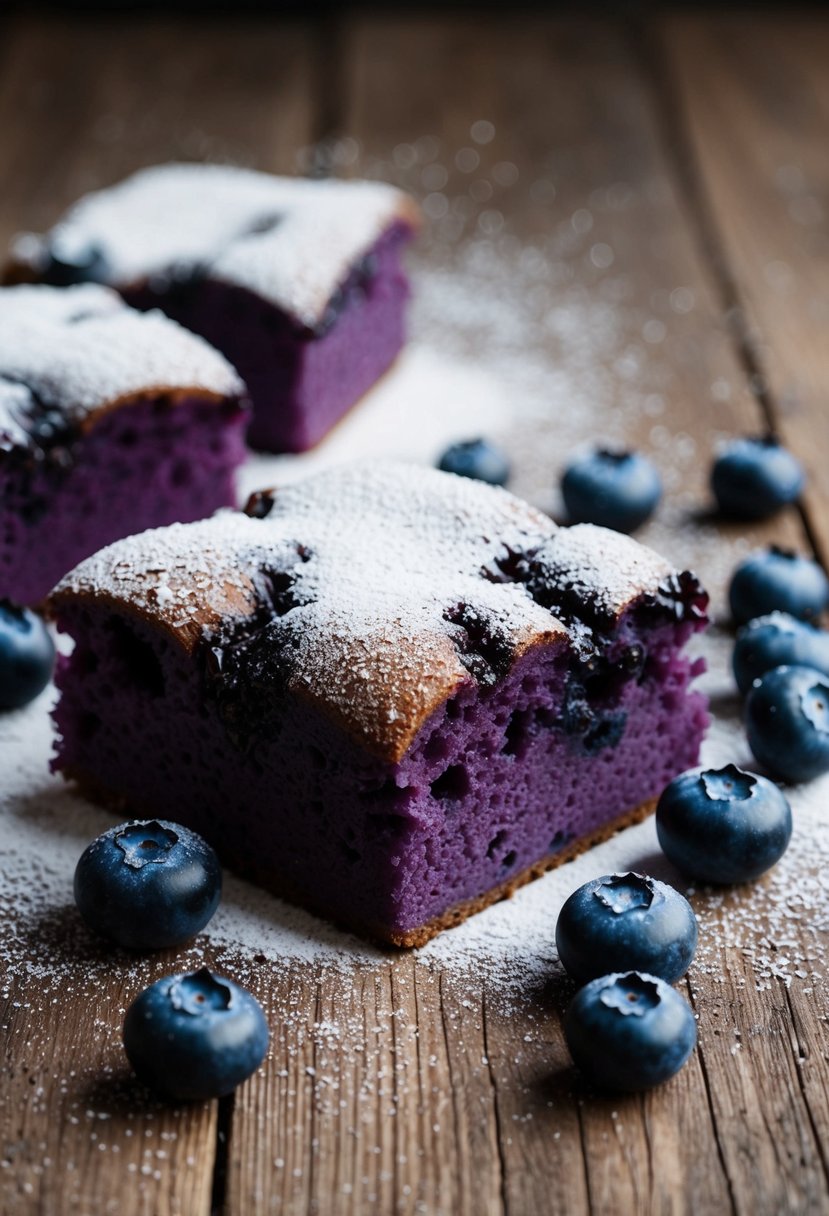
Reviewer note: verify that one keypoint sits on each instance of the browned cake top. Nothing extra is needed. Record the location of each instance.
(369, 587)
(290, 240)
(68, 354)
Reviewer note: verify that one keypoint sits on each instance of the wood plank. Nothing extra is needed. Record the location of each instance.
(86, 101)
(755, 99)
(82, 102)
(77, 1133)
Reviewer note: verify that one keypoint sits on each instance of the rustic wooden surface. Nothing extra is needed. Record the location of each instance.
(440, 1097)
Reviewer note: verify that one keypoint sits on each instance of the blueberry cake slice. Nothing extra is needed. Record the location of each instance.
(111, 421)
(299, 283)
(390, 694)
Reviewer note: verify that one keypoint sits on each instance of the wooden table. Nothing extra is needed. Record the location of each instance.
(695, 149)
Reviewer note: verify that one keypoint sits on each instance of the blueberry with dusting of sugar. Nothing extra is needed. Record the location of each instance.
(629, 1031)
(476, 458)
(27, 656)
(752, 478)
(69, 258)
(614, 489)
(777, 640)
(774, 580)
(723, 825)
(148, 884)
(787, 722)
(626, 922)
(194, 1037)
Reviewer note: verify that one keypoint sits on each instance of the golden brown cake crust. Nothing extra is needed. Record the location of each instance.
(376, 590)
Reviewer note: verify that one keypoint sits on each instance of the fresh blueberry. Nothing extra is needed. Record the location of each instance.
(787, 722)
(476, 458)
(626, 922)
(197, 1036)
(618, 490)
(27, 656)
(723, 825)
(70, 258)
(775, 580)
(753, 478)
(629, 1031)
(777, 640)
(148, 884)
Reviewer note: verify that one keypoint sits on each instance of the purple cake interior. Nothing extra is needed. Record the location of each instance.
(300, 284)
(110, 423)
(301, 378)
(141, 466)
(548, 715)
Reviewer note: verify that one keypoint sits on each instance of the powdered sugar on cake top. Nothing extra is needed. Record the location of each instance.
(388, 576)
(77, 350)
(290, 240)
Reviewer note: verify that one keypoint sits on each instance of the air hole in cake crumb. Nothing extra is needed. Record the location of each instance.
(437, 747)
(182, 473)
(516, 736)
(495, 844)
(509, 860)
(454, 710)
(452, 785)
(138, 658)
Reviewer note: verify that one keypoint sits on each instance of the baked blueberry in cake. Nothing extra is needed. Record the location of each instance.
(111, 421)
(299, 283)
(388, 693)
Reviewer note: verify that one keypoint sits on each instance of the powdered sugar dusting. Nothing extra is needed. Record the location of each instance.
(79, 349)
(290, 240)
(379, 557)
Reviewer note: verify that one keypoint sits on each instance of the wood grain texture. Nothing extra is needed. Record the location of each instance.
(401, 1088)
(755, 101)
(580, 143)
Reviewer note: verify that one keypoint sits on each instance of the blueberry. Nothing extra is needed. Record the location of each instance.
(27, 655)
(787, 722)
(618, 490)
(629, 1031)
(476, 458)
(626, 922)
(70, 258)
(753, 478)
(723, 825)
(148, 884)
(777, 580)
(197, 1036)
(777, 640)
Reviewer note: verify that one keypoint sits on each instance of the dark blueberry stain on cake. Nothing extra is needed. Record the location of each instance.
(485, 651)
(356, 285)
(38, 434)
(246, 664)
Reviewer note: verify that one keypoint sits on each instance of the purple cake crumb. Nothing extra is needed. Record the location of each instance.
(299, 283)
(110, 422)
(400, 746)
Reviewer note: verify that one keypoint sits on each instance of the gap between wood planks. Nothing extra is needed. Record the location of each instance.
(649, 50)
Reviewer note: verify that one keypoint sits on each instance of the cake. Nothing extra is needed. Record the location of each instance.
(390, 694)
(299, 283)
(111, 421)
